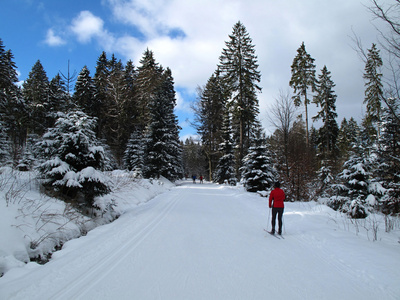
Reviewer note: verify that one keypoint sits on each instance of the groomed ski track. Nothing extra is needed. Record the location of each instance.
(204, 241)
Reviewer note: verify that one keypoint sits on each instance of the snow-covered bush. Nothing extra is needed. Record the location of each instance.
(74, 159)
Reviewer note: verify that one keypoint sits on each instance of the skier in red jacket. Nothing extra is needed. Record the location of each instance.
(276, 198)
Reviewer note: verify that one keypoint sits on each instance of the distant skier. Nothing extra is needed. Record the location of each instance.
(201, 178)
(276, 198)
(194, 178)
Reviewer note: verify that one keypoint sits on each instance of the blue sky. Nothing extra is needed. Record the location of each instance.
(188, 36)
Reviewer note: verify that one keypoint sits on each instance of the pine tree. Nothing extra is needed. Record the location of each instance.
(303, 79)
(328, 132)
(239, 68)
(258, 172)
(225, 170)
(374, 87)
(209, 114)
(85, 91)
(36, 94)
(74, 158)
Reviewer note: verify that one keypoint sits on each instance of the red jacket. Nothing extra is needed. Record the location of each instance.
(277, 196)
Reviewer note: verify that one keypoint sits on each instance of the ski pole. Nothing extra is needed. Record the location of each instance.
(269, 215)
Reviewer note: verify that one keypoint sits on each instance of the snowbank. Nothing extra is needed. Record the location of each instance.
(34, 225)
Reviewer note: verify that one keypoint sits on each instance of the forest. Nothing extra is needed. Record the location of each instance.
(71, 131)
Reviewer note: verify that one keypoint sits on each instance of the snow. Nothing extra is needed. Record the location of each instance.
(206, 241)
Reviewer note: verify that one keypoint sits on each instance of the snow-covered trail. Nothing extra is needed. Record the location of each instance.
(207, 242)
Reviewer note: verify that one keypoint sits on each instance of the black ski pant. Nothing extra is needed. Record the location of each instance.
(277, 211)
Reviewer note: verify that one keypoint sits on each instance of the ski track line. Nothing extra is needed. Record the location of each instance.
(79, 287)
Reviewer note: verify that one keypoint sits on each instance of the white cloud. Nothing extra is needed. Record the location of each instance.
(276, 27)
(86, 26)
(54, 40)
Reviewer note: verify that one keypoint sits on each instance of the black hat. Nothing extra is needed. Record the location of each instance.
(277, 184)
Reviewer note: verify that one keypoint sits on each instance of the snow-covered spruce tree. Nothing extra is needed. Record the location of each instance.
(258, 173)
(352, 194)
(225, 170)
(387, 172)
(163, 154)
(134, 154)
(239, 69)
(303, 79)
(74, 159)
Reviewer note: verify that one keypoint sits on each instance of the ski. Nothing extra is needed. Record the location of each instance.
(273, 234)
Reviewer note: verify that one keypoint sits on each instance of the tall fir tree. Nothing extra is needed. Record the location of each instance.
(373, 86)
(147, 83)
(303, 79)
(36, 94)
(239, 68)
(209, 113)
(163, 154)
(328, 132)
(101, 82)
